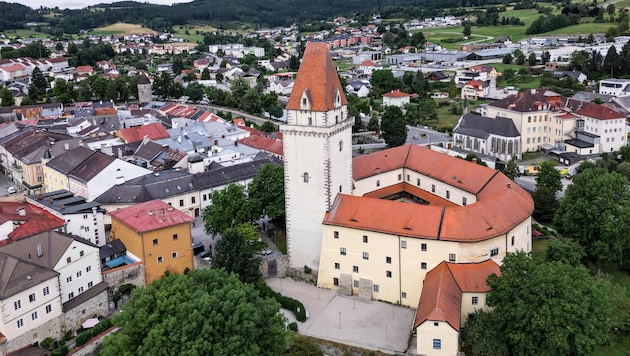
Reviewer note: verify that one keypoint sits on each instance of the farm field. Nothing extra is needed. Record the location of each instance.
(121, 29)
(24, 33)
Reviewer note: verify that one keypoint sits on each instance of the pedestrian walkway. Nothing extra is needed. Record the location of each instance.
(370, 325)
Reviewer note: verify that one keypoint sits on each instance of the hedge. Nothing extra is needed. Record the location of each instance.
(287, 303)
(89, 334)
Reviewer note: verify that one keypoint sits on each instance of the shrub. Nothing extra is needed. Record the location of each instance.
(307, 269)
(287, 303)
(88, 335)
(47, 343)
(293, 326)
(62, 351)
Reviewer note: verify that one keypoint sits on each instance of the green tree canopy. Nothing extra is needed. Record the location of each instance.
(548, 176)
(546, 308)
(566, 251)
(229, 208)
(383, 81)
(6, 97)
(266, 193)
(393, 127)
(595, 212)
(511, 169)
(545, 203)
(204, 312)
(235, 254)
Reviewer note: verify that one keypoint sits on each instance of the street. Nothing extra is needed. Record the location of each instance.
(426, 136)
(529, 184)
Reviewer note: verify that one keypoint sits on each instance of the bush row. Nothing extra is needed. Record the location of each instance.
(89, 334)
(287, 303)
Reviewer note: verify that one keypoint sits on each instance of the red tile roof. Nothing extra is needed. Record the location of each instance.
(155, 131)
(413, 190)
(149, 216)
(264, 144)
(443, 287)
(318, 76)
(600, 112)
(500, 204)
(34, 220)
(396, 93)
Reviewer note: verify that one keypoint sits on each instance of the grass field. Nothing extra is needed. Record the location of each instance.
(24, 33)
(121, 29)
(195, 32)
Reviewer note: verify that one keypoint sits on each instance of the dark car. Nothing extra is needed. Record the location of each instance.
(197, 248)
(206, 255)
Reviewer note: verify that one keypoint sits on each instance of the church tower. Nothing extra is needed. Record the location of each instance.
(317, 143)
(144, 90)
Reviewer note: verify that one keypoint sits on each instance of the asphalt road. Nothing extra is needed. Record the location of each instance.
(529, 183)
(426, 136)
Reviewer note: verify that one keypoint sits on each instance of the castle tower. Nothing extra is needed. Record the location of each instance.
(317, 153)
(144, 89)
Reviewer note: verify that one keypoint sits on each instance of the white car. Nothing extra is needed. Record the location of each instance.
(11, 190)
(266, 252)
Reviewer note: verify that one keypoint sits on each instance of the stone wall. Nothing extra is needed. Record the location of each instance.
(282, 266)
(52, 328)
(88, 348)
(365, 289)
(98, 305)
(129, 274)
(345, 284)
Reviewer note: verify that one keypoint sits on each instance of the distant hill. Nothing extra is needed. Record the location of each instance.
(15, 16)
(223, 14)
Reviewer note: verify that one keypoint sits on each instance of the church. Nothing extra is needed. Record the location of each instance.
(406, 225)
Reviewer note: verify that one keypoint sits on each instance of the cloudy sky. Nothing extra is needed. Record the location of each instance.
(79, 4)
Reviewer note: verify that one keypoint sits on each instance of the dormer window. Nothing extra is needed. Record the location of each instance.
(304, 101)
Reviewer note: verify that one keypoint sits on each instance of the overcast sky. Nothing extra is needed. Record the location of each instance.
(79, 4)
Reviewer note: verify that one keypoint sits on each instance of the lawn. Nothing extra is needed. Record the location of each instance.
(121, 29)
(24, 33)
(195, 32)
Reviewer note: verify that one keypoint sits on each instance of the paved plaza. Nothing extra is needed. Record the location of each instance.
(370, 325)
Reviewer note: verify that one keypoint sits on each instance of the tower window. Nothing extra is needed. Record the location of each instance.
(340, 146)
(304, 101)
(310, 121)
(306, 177)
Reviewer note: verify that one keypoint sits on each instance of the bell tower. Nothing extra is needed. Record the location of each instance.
(317, 141)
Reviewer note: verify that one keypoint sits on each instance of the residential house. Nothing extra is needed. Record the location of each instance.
(266, 144)
(437, 76)
(158, 234)
(475, 90)
(615, 87)
(19, 220)
(574, 74)
(83, 219)
(154, 131)
(359, 88)
(396, 98)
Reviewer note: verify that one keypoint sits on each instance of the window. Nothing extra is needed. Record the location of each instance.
(494, 252)
(418, 182)
(173, 254)
(305, 176)
(69, 259)
(175, 237)
(356, 284)
(475, 300)
(337, 265)
(46, 291)
(205, 197)
(48, 309)
(82, 253)
(512, 240)
(388, 274)
(365, 238)
(79, 274)
(464, 201)
(17, 304)
(342, 250)
(69, 279)
(181, 202)
(403, 244)
(432, 188)
(437, 344)
(423, 265)
(408, 178)
(90, 284)
(336, 234)
(70, 295)
(155, 242)
(20, 323)
(336, 281)
(88, 269)
(388, 259)
(80, 290)
(366, 255)
(378, 183)
(340, 146)
(423, 247)
(355, 269)
(451, 257)
(448, 194)
(376, 288)
(400, 177)
(193, 200)
(403, 295)
(160, 259)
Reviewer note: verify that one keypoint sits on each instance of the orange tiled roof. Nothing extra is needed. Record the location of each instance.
(318, 76)
(396, 93)
(443, 287)
(263, 143)
(500, 205)
(600, 112)
(404, 187)
(155, 131)
(149, 216)
(34, 220)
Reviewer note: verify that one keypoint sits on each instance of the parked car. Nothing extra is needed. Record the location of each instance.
(266, 252)
(197, 248)
(11, 190)
(206, 255)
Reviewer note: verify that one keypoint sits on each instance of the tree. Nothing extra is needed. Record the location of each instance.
(511, 169)
(595, 212)
(294, 63)
(545, 203)
(467, 29)
(373, 123)
(520, 58)
(393, 127)
(38, 86)
(610, 9)
(531, 60)
(452, 89)
(545, 57)
(548, 176)
(566, 251)
(507, 59)
(235, 254)
(302, 346)
(266, 192)
(229, 208)
(203, 312)
(6, 97)
(194, 91)
(547, 308)
(205, 74)
(383, 81)
(178, 65)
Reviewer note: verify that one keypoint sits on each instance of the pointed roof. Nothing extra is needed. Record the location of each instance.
(317, 76)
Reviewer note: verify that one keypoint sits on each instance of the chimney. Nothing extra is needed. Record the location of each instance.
(150, 212)
(235, 143)
(120, 154)
(66, 146)
(62, 206)
(216, 142)
(40, 253)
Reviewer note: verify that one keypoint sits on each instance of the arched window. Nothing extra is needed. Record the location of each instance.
(310, 121)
